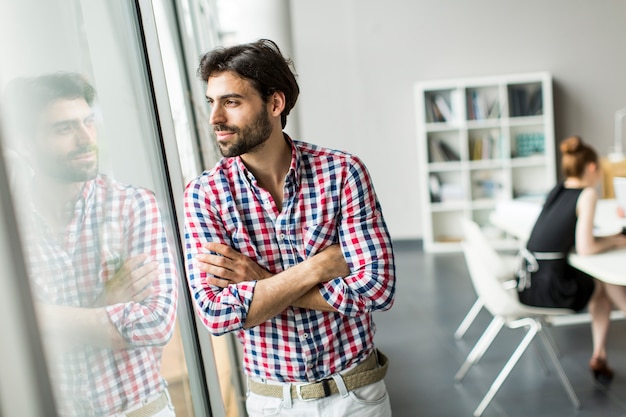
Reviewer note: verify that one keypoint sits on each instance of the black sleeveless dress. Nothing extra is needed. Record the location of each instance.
(556, 283)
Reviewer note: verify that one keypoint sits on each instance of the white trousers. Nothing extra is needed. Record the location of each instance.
(368, 401)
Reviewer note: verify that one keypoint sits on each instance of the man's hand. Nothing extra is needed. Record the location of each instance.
(228, 266)
(132, 282)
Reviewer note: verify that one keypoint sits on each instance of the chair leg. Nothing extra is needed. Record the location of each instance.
(545, 366)
(533, 328)
(469, 319)
(480, 348)
(547, 331)
(559, 369)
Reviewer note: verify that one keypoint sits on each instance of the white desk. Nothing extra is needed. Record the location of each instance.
(607, 266)
(519, 218)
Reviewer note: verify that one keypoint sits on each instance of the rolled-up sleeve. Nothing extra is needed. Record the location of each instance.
(151, 321)
(222, 310)
(367, 247)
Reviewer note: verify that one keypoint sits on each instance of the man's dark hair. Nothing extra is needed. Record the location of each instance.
(261, 63)
(25, 98)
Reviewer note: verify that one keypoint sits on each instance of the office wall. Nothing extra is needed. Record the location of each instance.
(359, 59)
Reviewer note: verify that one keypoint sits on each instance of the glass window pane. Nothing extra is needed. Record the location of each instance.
(94, 205)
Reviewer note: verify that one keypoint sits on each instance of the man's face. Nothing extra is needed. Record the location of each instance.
(65, 145)
(239, 116)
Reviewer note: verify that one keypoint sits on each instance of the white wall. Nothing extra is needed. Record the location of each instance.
(358, 60)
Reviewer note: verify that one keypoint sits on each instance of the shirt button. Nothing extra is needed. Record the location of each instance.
(282, 236)
(305, 336)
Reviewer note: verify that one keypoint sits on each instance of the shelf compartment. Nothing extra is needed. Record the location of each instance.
(446, 187)
(527, 140)
(482, 103)
(442, 106)
(446, 227)
(485, 144)
(531, 181)
(525, 99)
(488, 184)
(444, 146)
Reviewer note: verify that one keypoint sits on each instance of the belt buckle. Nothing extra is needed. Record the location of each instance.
(299, 391)
(325, 385)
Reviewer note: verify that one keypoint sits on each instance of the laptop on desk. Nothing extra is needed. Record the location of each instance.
(619, 188)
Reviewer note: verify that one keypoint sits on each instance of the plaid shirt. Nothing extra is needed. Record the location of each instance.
(328, 199)
(111, 223)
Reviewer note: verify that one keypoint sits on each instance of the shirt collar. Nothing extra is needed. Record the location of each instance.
(293, 175)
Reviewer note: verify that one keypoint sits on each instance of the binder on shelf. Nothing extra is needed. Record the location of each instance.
(435, 154)
(535, 106)
(526, 101)
(479, 107)
(435, 188)
(480, 148)
(487, 146)
(435, 115)
(449, 153)
(518, 101)
(494, 111)
(451, 192)
(443, 107)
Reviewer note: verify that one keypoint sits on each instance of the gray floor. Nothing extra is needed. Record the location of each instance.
(433, 295)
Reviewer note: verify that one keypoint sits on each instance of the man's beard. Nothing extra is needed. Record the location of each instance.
(250, 137)
(64, 169)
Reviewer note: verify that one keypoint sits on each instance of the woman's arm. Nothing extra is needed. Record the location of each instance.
(586, 242)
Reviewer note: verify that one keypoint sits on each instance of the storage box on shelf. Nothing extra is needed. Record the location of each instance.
(481, 140)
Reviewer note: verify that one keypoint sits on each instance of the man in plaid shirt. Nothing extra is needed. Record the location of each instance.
(286, 245)
(101, 269)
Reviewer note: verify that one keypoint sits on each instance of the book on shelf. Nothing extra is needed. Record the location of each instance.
(535, 105)
(525, 101)
(443, 107)
(435, 188)
(494, 111)
(435, 114)
(442, 192)
(440, 108)
(440, 151)
(488, 146)
(480, 106)
(451, 192)
(449, 153)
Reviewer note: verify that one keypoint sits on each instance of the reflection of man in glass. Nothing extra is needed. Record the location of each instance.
(102, 272)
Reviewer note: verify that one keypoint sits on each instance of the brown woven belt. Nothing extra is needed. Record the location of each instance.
(151, 408)
(367, 372)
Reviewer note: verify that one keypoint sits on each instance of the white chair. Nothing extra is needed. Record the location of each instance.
(501, 300)
(504, 266)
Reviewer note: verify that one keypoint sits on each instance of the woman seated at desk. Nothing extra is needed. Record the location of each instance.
(566, 222)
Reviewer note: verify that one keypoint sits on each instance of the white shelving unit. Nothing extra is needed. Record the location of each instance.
(481, 140)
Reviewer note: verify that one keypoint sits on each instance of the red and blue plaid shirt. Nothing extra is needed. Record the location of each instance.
(328, 198)
(111, 222)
